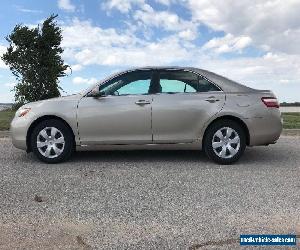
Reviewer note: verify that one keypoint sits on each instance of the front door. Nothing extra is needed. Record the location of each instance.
(122, 115)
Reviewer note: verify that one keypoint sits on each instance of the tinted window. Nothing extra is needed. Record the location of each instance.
(205, 86)
(132, 83)
(184, 82)
(178, 82)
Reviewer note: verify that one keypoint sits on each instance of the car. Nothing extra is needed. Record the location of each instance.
(151, 108)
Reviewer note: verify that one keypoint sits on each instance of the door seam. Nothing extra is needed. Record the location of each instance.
(151, 120)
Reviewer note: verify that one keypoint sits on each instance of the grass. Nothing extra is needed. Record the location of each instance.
(290, 120)
(5, 118)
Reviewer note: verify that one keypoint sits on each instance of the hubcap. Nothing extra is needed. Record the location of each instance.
(50, 142)
(226, 142)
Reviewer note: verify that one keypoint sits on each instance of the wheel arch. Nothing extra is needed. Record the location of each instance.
(44, 118)
(232, 118)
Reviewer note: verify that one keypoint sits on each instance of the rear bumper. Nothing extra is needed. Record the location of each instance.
(265, 130)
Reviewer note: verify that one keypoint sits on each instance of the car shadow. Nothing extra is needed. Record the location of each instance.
(141, 156)
(254, 157)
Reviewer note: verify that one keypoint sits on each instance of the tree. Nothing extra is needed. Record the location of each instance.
(34, 57)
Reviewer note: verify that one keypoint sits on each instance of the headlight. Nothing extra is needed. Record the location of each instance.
(23, 111)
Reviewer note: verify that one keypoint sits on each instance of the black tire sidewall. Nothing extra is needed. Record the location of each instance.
(68, 136)
(212, 129)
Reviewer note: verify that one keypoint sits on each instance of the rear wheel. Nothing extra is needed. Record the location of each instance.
(224, 141)
(52, 141)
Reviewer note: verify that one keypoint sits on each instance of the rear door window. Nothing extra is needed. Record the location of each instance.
(183, 82)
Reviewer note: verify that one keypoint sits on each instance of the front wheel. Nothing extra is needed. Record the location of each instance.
(52, 141)
(224, 141)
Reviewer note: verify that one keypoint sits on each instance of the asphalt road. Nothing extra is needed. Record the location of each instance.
(147, 200)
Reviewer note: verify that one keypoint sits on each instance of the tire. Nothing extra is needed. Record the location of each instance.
(51, 149)
(228, 149)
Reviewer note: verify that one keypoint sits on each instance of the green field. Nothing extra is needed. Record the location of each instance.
(290, 120)
(5, 118)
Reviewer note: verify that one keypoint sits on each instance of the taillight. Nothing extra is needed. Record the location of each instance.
(270, 102)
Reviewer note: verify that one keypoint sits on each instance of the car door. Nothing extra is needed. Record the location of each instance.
(122, 115)
(184, 103)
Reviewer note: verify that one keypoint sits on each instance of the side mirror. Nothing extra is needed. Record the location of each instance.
(96, 93)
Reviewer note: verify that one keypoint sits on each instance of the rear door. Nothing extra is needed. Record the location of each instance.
(184, 102)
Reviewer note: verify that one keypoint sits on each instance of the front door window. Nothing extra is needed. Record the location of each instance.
(132, 83)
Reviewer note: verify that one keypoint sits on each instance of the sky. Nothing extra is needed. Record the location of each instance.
(253, 42)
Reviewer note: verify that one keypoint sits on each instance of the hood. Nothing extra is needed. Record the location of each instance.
(67, 98)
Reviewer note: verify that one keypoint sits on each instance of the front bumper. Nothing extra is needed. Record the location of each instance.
(18, 130)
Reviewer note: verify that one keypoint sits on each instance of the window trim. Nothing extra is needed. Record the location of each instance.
(154, 81)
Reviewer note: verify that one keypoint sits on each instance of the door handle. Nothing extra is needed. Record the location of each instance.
(212, 99)
(142, 102)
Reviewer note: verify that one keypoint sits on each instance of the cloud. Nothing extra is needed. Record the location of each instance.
(164, 52)
(7, 97)
(76, 67)
(81, 34)
(3, 65)
(66, 5)
(228, 43)
(146, 17)
(86, 44)
(25, 10)
(2, 51)
(80, 80)
(187, 34)
(165, 2)
(10, 85)
(149, 17)
(284, 81)
(123, 6)
(272, 25)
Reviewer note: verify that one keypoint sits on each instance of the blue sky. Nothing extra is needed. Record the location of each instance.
(253, 42)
